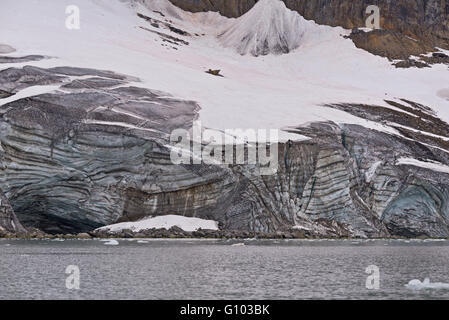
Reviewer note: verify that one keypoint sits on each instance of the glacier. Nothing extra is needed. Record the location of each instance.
(84, 129)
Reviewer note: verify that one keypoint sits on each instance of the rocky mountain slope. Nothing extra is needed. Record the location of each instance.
(85, 134)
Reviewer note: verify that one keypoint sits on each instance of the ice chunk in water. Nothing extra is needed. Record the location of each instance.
(416, 284)
(111, 243)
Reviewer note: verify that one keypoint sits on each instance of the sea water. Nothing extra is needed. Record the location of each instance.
(223, 269)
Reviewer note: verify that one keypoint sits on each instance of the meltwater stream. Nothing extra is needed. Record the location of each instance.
(219, 269)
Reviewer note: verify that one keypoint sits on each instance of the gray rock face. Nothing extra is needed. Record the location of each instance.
(8, 220)
(359, 182)
(96, 152)
(424, 20)
(69, 159)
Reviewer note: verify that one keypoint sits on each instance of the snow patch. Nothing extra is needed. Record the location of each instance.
(428, 164)
(29, 92)
(118, 124)
(164, 222)
(371, 171)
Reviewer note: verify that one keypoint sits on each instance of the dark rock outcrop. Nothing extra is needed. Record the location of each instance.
(390, 44)
(7, 59)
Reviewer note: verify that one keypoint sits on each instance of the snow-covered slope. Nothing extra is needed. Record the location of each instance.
(265, 92)
(269, 27)
(159, 6)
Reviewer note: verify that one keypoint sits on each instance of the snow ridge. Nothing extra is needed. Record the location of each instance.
(268, 28)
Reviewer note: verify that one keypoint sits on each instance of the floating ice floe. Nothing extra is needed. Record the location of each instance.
(416, 284)
(111, 243)
(237, 245)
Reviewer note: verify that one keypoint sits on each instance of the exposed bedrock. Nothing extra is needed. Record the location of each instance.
(8, 220)
(97, 151)
(6, 59)
(385, 43)
(427, 20)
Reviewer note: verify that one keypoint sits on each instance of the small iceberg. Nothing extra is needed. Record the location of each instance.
(416, 284)
(111, 243)
(142, 241)
(237, 244)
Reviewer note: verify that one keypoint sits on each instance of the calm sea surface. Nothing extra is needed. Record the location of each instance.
(209, 269)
